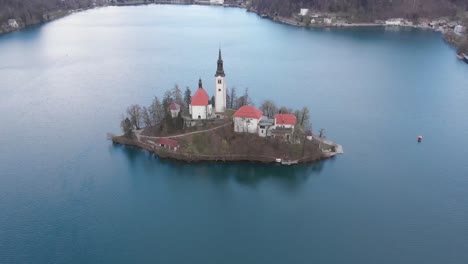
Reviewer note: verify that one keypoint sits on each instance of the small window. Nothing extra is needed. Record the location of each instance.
(199, 117)
(219, 90)
(219, 81)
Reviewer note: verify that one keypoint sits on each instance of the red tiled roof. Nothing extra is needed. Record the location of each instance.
(285, 119)
(168, 142)
(200, 98)
(248, 111)
(174, 106)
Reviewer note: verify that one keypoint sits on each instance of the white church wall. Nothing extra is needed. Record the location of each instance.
(245, 125)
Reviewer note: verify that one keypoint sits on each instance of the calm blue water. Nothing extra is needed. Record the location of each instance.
(69, 196)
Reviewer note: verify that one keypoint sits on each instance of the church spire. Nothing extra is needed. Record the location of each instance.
(220, 69)
(200, 85)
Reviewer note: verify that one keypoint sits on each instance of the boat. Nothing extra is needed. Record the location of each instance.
(289, 162)
(460, 56)
(465, 58)
(278, 160)
(420, 138)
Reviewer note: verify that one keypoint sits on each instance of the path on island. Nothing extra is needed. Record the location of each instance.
(139, 136)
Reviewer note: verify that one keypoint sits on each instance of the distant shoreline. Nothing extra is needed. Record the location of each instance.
(5, 28)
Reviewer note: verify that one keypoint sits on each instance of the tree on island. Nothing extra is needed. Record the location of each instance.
(135, 114)
(156, 111)
(322, 133)
(212, 101)
(231, 98)
(179, 122)
(166, 101)
(285, 110)
(269, 108)
(146, 117)
(177, 96)
(187, 96)
(126, 126)
(244, 99)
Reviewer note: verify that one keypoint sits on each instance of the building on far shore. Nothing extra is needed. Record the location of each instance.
(217, 2)
(303, 11)
(200, 107)
(459, 30)
(246, 119)
(12, 23)
(394, 22)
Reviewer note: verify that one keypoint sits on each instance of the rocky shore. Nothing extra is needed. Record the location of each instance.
(164, 153)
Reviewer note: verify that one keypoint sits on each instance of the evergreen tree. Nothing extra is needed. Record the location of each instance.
(212, 101)
(187, 97)
(126, 126)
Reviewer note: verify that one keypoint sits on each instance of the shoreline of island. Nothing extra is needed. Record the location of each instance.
(168, 154)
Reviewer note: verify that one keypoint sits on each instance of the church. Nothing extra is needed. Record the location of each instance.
(200, 107)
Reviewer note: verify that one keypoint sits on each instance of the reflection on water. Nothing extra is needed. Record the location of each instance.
(243, 173)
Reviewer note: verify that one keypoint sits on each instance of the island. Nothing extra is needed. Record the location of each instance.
(225, 127)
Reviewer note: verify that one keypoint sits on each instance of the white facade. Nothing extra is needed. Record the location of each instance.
(284, 126)
(264, 130)
(245, 125)
(459, 30)
(304, 11)
(327, 21)
(12, 23)
(174, 113)
(220, 94)
(217, 2)
(394, 22)
(201, 111)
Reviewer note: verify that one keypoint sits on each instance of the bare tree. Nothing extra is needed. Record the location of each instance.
(135, 114)
(244, 99)
(156, 111)
(233, 98)
(146, 117)
(285, 110)
(305, 117)
(322, 133)
(269, 108)
(177, 95)
(166, 101)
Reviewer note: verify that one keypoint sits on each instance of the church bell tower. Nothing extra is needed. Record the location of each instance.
(220, 86)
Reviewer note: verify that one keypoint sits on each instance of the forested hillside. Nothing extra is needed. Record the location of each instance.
(365, 9)
(31, 11)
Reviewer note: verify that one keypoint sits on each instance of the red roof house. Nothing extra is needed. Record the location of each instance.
(248, 111)
(174, 106)
(168, 143)
(285, 119)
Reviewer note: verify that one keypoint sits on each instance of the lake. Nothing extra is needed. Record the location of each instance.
(67, 195)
